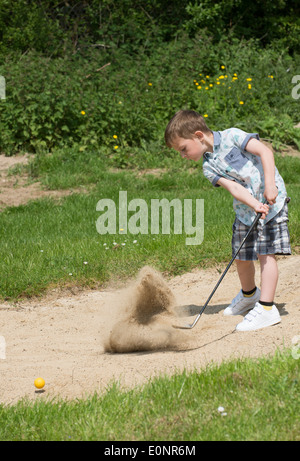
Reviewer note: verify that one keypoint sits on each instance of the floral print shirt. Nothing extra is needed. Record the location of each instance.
(230, 160)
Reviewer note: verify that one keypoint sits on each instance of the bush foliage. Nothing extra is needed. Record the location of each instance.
(51, 26)
(108, 75)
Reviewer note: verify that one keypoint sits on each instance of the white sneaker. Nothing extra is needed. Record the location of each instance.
(241, 304)
(259, 318)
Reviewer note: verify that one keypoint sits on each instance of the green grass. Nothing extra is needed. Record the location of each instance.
(46, 241)
(260, 398)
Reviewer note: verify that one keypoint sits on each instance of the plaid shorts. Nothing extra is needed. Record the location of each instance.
(273, 238)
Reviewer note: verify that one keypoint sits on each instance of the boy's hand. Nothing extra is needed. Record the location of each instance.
(262, 208)
(270, 194)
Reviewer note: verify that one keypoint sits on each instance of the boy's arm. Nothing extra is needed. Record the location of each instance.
(267, 159)
(242, 195)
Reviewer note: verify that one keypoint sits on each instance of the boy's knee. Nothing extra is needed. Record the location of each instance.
(241, 262)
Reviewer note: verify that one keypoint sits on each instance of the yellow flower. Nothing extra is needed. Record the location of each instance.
(221, 76)
(82, 112)
(116, 147)
(115, 136)
(249, 86)
(199, 87)
(196, 83)
(150, 84)
(222, 67)
(270, 76)
(249, 79)
(241, 102)
(218, 83)
(211, 85)
(207, 76)
(205, 115)
(206, 88)
(235, 75)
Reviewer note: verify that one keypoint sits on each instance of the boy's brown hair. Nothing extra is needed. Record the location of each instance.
(184, 124)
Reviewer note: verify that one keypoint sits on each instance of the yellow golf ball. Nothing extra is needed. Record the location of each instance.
(39, 383)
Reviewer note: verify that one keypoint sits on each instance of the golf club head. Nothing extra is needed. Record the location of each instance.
(187, 326)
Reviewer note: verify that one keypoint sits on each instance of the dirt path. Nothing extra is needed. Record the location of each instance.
(61, 337)
(18, 189)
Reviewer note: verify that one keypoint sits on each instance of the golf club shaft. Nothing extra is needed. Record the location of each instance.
(258, 216)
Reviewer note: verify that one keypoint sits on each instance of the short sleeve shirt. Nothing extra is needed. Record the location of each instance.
(231, 160)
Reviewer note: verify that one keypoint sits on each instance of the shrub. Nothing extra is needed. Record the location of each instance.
(121, 102)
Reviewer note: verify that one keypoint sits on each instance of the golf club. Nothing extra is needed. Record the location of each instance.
(190, 326)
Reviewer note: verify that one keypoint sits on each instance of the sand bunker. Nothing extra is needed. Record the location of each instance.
(60, 336)
(145, 317)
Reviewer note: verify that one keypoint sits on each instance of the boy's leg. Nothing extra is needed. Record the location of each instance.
(249, 294)
(246, 272)
(265, 312)
(269, 277)
(265, 241)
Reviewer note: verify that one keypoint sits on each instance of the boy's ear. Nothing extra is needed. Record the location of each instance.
(199, 134)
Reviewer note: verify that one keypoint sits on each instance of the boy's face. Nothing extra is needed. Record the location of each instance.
(192, 149)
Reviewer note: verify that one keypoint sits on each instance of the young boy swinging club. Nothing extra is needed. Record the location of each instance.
(244, 166)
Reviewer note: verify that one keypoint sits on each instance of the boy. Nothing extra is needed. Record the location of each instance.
(245, 167)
